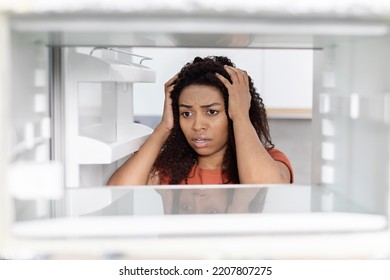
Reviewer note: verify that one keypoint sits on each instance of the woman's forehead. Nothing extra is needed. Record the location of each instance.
(200, 94)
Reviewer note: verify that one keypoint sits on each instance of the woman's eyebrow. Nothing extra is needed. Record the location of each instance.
(185, 105)
(211, 105)
(202, 106)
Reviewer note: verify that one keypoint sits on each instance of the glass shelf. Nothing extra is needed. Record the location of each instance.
(157, 211)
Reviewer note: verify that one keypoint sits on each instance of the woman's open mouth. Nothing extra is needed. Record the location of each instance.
(200, 142)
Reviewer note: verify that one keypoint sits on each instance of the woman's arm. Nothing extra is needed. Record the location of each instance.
(138, 169)
(255, 165)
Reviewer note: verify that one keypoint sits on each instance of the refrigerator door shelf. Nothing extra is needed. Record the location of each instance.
(97, 151)
(86, 68)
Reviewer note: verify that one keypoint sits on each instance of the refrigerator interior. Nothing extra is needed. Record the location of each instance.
(73, 118)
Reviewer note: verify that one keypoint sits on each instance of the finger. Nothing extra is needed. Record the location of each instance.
(245, 78)
(225, 81)
(172, 80)
(232, 73)
(242, 76)
(168, 91)
(169, 85)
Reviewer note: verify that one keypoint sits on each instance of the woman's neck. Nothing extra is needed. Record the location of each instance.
(210, 163)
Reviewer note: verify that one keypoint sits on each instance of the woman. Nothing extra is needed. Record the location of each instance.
(213, 130)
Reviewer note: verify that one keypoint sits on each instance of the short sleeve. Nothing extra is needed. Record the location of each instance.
(277, 155)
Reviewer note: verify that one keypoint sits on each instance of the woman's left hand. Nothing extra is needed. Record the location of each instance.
(239, 95)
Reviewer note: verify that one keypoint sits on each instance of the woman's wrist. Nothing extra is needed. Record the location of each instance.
(241, 118)
(162, 131)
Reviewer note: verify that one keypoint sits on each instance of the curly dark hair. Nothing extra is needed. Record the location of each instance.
(177, 157)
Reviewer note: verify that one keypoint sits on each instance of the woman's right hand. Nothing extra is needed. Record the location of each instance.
(167, 118)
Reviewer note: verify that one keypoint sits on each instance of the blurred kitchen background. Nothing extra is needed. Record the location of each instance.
(283, 77)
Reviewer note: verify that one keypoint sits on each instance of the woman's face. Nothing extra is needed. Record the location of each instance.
(203, 201)
(203, 120)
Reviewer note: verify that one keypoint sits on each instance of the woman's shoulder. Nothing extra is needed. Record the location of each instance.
(278, 155)
(155, 178)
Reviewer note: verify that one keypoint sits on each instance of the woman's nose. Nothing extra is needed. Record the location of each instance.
(199, 192)
(198, 123)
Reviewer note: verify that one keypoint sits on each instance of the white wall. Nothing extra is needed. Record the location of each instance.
(283, 77)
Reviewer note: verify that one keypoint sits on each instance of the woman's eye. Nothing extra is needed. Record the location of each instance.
(185, 208)
(212, 112)
(211, 211)
(186, 114)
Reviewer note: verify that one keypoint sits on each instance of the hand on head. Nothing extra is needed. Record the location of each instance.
(238, 89)
(167, 118)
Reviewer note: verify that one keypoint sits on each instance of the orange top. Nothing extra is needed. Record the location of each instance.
(199, 176)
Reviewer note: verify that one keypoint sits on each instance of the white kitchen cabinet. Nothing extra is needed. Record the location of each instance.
(287, 83)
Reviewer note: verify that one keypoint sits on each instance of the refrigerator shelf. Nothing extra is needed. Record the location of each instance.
(88, 68)
(98, 151)
(200, 225)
